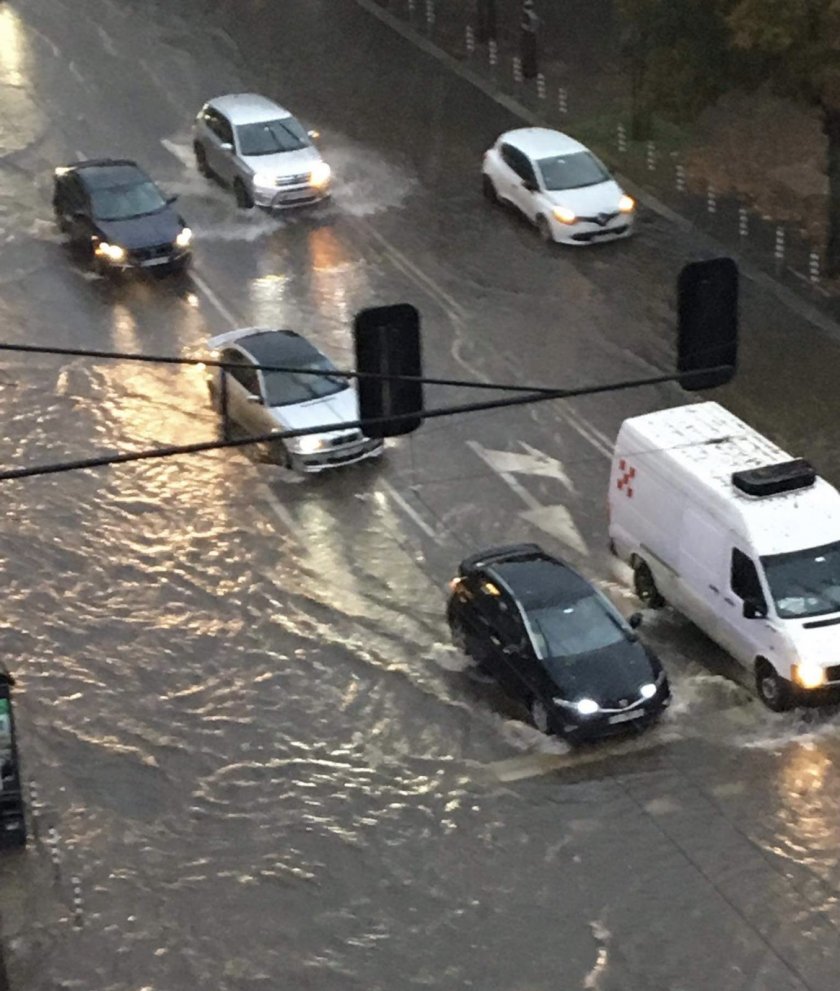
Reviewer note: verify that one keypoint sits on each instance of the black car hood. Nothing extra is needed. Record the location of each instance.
(605, 675)
(161, 227)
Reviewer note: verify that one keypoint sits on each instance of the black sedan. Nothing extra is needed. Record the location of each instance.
(112, 211)
(555, 642)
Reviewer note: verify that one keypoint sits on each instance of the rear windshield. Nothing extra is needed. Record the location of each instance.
(271, 136)
(581, 168)
(125, 202)
(285, 388)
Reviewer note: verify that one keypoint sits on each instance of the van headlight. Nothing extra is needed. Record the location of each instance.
(320, 174)
(113, 252)
(809, 674)
(184, 238)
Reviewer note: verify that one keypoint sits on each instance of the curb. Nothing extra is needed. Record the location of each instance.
(793, 302)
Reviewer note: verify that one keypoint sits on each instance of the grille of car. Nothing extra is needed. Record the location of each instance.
(346, 438)
(291, 180)
(155, 251)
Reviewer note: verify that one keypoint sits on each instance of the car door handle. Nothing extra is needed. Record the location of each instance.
(715, 589)
(728, 601)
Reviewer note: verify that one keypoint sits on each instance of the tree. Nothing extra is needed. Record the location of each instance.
(798, 43)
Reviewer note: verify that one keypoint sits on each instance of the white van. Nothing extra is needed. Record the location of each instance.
(745, 541)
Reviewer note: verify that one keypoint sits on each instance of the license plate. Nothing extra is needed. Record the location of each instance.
(155, 261)
(624, 717)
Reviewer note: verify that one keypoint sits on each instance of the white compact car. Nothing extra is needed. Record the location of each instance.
(559, 185)
(260, 151)
(265, 401)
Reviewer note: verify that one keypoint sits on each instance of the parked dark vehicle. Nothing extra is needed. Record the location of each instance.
(556, 643)
(113, 212)
(12, 816)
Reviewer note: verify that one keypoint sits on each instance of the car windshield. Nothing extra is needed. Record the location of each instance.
(271, 136)
(564, 631)
(581, 168)
(286, 388)
(805, 583)
(124, 202)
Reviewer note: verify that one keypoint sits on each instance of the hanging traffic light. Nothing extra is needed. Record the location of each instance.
(388, 345)
(707, 334)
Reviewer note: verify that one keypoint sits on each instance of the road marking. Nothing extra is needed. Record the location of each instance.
(556, 519)
(214, 300)
(409, 510)
(588, 432)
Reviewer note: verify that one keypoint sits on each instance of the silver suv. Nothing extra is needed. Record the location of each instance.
(260, 150)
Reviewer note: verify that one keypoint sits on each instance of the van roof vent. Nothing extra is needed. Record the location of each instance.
(771, 479)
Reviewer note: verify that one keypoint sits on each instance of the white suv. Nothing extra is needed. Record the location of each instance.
(260, 150)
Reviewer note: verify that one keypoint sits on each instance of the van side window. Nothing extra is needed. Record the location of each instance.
(744, 578)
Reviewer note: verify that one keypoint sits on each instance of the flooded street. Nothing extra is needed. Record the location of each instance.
(261, 757)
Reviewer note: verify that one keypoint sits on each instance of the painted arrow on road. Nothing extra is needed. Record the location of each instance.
(556, 519)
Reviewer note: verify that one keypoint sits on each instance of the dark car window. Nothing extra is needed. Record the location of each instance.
(580, 168)
(244, 373)
(271, 136)
(284, 388)
(224, 129)
(125, 202)
(518, 161)
(579, 627)
(71, 194)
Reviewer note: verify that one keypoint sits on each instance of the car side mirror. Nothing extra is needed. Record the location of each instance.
(254, 399)
(171, 199)
(634, 621)
(753, 609)
(226, 146)
(529, 185)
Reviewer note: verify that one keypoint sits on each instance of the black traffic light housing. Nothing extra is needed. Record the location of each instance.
(707, 334)
(387, 342)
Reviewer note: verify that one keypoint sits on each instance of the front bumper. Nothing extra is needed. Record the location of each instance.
(586, 232)
(335, 457)
(612, 722)
(157, 256)
(286, 197)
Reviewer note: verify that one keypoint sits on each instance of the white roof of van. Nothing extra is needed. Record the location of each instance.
(708, 443)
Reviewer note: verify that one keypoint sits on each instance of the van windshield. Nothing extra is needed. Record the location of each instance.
(805, 583)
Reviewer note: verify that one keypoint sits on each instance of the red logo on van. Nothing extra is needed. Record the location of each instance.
(625, 481)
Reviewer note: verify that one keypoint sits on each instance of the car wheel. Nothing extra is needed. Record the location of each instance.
(544, 228)
(540, 717)
(489, 189)
(244, 200)
(773, 690)
(645, 586)
(201, 161)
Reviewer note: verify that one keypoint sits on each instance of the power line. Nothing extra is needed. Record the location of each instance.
(533, 396)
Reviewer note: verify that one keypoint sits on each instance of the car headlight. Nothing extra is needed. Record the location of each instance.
(809, 674)
(647, 691)
(113, 252)
(184, 238)
(626, 204)
(306, 445)
(320, 174)
(587, 707)
(264, 178)
(564, 215)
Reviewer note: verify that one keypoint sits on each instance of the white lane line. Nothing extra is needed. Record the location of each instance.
(214, 300)
(588, 432)
(409, 510)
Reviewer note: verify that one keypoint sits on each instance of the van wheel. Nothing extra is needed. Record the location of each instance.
(645, 586)
(773, 690)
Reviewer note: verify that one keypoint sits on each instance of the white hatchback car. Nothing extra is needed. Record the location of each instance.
(267, 401)
(260, 150)
(559, 185)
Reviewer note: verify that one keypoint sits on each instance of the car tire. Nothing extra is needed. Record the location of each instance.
(544, 229)
(644, 585)
(244, 200)
(489, 190)
(201, 161)
(774, 691)
(540, 717)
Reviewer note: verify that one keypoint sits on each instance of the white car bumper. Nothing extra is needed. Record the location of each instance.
(587, 232)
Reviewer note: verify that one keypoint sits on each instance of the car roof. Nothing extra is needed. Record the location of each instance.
(541, 142)
(537, 582)
(104, 173)
(248, 108)
(278, 347)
